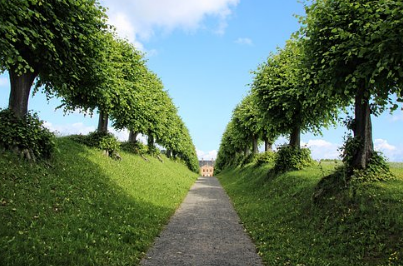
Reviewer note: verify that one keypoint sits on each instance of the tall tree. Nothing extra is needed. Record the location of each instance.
(283, 96)
(142, 105)
(55, 41)
(246, 118)
(354, 50)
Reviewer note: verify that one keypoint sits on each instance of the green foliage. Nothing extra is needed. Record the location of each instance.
(154, 151)
(351, 44)
(57, 40)
(80, 208)
(100, 140)
(352, 49)
(290, 158)
(247, 159)
(267, 157)
(377, 170)
(289, 230)
(282, 97)
(109, 143)
(74, 55)
(246, 122)
(135, 148)
(26, 133)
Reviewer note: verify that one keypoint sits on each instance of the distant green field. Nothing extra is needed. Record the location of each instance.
(82, 208)
(395, 165)
(355, 227)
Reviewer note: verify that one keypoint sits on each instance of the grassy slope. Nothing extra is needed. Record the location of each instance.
(288, 229)
(84, 208)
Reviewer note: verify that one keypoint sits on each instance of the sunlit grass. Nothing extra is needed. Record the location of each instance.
(360, 227)
(83, 208)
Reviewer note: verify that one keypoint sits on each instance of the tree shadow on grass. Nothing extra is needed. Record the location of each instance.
(68, 212)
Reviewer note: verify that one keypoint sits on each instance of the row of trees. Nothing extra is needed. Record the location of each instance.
(347, 52)
(67, 50)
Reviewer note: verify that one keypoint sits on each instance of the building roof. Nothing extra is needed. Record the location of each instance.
(206, 163)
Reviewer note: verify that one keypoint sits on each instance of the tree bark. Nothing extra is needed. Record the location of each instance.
(255, 149)
(20, 90)
(103, 122)
(150, 142)
(268, 145)
(362, 131)
(133, 136)
(169, 153)
(295, 137)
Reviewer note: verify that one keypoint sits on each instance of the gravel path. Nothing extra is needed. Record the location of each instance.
(205, 230)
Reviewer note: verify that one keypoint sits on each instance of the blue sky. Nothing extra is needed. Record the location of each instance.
(204, 52)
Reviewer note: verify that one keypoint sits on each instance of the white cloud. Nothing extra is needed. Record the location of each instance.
(121, 135)
(125, 28)
(69, 129)
(244, 41)
(384, 146)
(210, 155)
(81, 128)
(391, 152)
(138, 20)
(322, 149)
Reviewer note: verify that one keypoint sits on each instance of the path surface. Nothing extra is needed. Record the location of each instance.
(205, 230)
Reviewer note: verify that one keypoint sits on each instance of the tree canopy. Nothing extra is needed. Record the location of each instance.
(67, 47)
(284, 98)
(353, 48)
(56, 41)
(346, 52)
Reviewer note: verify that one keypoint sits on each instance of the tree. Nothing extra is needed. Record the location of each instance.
(113, 88)
(143, 105)
(246, 120)
(227, 151)
(283, 97)
(55, 41)
(354, 50)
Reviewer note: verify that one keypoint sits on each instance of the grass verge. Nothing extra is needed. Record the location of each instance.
(360, 227)
(82, 208)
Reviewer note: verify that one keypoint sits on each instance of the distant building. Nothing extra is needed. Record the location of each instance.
(206, 167)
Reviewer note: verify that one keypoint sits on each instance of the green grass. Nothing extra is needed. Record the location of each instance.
(82, 208)
(361, 227)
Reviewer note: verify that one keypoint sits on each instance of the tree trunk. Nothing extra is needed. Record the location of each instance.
(255, 149)
(268, 145)
(150, 143)
(169, 153)
(103, 122)
(295, 137)
(133, 137)
(246, 151)
(20, 90)
(362, 131)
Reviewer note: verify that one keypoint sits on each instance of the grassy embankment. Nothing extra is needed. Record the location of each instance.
(360, 227)
(82, 208)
